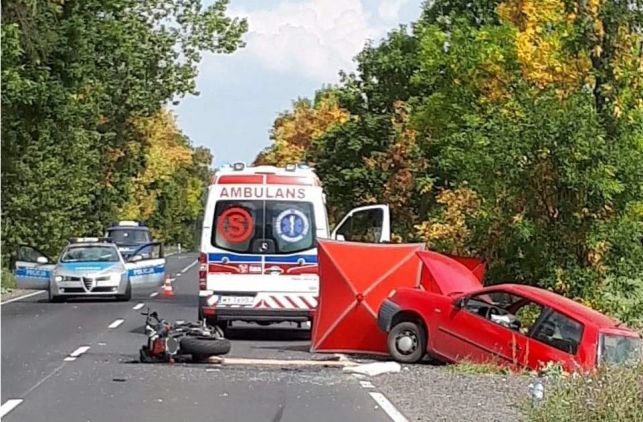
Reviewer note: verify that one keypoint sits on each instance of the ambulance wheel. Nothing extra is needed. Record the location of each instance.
(407, 342)
(222, 325)
(128, 294)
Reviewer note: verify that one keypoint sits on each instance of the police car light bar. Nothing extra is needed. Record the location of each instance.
(291, 167)
(129, 223)
(90, 240)
(238, 166)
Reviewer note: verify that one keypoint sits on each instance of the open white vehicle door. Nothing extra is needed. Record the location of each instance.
(33, 268)
(146, 266)
(370, 224)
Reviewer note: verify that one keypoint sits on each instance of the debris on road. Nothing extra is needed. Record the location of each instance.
(374, 369)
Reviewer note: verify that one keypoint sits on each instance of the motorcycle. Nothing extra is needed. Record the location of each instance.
(167, 342)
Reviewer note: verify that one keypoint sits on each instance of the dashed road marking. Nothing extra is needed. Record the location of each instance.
(189, 266)
(8, 406)
(116, 323)
(139, 306)
(79, 351)
(69, 359)
(154, 294)
(366, 384)
(388, 407)
(178, 274)
(22, 297)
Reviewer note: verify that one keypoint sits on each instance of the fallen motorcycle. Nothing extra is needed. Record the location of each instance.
(174, 342)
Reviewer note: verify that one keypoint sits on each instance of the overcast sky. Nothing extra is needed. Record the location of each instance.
(293, 48)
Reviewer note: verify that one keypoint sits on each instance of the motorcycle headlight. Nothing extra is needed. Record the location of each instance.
(58, 278)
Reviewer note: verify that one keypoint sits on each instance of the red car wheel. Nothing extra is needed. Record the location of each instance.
(407, 342)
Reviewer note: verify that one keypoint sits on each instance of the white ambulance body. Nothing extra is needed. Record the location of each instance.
(258, 258)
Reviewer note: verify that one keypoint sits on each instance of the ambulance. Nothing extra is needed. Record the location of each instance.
(258, 256)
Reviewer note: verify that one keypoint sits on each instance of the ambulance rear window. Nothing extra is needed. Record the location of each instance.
(264, 227)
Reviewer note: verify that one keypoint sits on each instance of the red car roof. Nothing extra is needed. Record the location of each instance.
(560, 303)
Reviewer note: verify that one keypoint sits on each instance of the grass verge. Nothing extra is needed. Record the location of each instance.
(609, 394)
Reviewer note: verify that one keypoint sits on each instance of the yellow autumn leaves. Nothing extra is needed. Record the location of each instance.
(166, 151)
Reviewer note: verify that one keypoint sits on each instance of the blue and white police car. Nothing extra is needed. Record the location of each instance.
(90, 267)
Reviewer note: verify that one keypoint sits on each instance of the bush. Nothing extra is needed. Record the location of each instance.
(609, 394)
(7, 280)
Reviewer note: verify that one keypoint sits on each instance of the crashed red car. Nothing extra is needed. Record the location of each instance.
(509, 324)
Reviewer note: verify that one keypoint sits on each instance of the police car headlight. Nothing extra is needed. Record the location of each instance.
(58, 278)
(116, 277)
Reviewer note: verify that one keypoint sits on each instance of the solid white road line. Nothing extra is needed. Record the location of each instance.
(8, 406)
(388, 407)
(189, 266)
(154, 294)
(22, 297)
(116, 323)
(79, 351)
(139, 306)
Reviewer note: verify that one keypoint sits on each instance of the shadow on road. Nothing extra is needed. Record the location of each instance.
(267, 333)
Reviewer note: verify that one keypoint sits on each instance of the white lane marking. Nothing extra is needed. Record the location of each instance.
(366, 384)
(22, 297)
(388, 407)
(79, 351)
(189, 266)
(116, 323)
(139, 306)
(154, 294)
(8, 406)
(69, 359)
(178, 274)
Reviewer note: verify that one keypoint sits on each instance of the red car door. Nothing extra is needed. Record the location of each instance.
(474, 330)
(556, 338)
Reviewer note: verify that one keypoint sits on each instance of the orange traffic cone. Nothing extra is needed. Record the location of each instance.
(167, 290)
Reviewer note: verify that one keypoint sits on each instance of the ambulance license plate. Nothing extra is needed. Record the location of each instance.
(236, 300)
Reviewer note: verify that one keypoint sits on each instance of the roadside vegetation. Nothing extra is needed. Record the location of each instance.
(86, 137)
(7, 281)
(509, 130)
(612, 394)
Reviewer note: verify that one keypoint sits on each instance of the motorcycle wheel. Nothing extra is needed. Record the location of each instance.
(201, 347)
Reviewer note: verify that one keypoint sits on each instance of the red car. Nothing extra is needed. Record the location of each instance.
(509, 324)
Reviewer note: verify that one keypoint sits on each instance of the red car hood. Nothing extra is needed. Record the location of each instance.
(444, 275)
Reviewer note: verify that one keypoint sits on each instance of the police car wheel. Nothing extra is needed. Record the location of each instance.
(127, 296)
(53, 298)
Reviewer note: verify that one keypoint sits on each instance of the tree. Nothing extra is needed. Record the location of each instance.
(77, 76)
(294, 132)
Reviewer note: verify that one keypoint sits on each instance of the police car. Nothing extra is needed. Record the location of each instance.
(90, 267)
(129, 236)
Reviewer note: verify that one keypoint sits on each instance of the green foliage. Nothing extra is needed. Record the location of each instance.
(522, 141)
(76, 77)
(7, 280)
(610, 394)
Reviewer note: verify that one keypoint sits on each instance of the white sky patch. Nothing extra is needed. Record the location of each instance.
(315, 38)
(389, 10)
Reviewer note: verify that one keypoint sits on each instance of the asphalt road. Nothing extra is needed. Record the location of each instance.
(105, 382)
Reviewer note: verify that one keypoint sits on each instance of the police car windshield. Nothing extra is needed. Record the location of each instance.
(264, 227)
(129, 236)
(87, 253)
